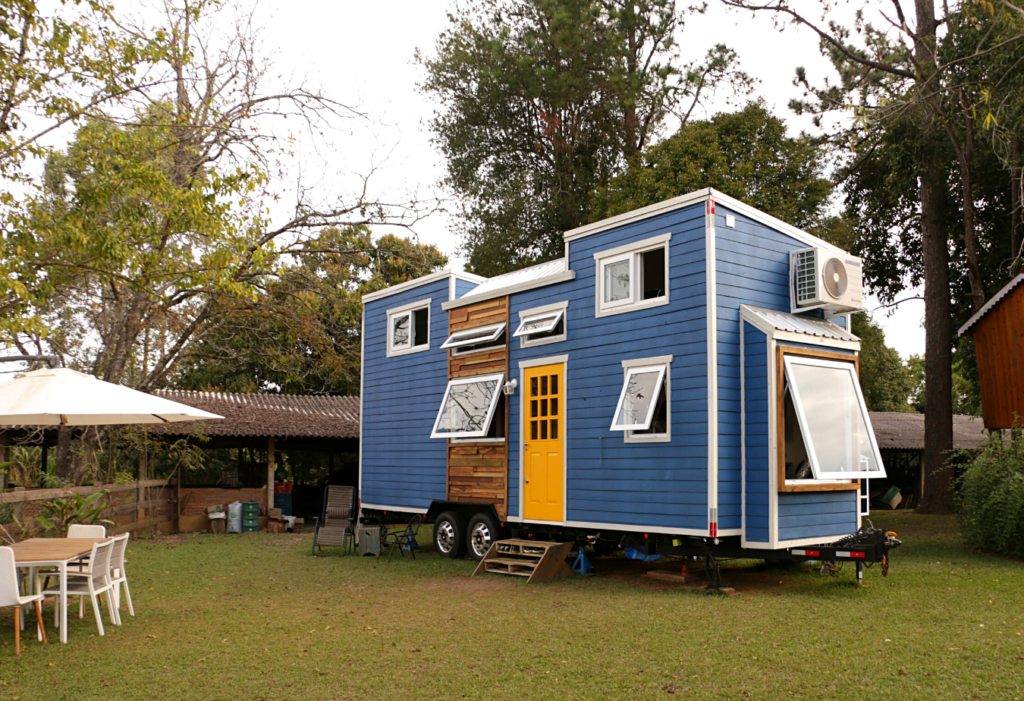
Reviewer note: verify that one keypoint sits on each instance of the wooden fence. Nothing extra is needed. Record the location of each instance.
(130, 505)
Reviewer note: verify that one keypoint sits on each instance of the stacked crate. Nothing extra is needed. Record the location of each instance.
(250, 517)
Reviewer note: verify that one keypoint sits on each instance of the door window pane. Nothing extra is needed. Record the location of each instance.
(533, 430)
(543, 385)
(554, 384)
(543, 430)
(543, 407)
(554, 406)
(554, 429)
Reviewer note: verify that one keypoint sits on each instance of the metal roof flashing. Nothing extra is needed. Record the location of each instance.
(540, 275)
(423, 280)
(693, 198)
(785, 326)
(996, 298)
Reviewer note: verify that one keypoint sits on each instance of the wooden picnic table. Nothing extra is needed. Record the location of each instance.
(54, 552)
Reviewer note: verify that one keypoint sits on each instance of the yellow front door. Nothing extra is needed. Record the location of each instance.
(543, 440)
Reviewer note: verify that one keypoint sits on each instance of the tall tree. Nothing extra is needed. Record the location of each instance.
(886, 382)
(745, 154)
(301, 334)
(897, 78)
(153, 225)
(542, 102)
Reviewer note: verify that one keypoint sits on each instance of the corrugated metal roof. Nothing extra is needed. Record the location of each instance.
(904, 431)
(279, 415)
(796, 324)
(991, 303)
(517, 277)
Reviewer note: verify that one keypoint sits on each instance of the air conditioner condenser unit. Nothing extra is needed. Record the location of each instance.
(822, 279)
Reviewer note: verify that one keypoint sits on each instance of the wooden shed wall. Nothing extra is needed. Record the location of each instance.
(999, 347)
(478, 472)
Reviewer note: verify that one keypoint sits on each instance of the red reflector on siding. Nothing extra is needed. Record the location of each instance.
(713, 529)
(812, 553)
(856, 554)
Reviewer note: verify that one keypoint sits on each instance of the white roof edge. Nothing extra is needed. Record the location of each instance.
(996, 298)
(693, 198)
(422, 280)
(466, 300)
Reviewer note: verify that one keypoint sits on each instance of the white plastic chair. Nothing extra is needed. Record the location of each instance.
(92, 584)
(120, 578)
(10, 596)
(82, 530)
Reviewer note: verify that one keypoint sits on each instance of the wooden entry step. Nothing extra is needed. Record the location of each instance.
(537, 559)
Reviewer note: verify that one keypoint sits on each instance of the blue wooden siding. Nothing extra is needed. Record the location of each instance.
(758, 472)
(401, 465)
(752, 266)
(610, 481)
(817, 514)
(463, 286)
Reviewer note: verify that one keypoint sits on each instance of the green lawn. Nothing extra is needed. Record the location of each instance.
(256, 617)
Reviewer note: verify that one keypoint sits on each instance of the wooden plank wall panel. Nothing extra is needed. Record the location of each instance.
(999, 346)
(478, 472)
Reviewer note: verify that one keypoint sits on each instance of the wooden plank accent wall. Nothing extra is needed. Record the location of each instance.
(999, 347)
(478, 472)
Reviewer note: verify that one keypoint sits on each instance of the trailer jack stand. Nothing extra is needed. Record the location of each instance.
(713, 573)
(860, 573)
(582, 564)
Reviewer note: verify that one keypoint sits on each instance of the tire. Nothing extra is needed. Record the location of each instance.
(450, 535)
(480, 533)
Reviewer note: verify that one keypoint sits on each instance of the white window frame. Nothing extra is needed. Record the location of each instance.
(474, 336)
(497, 377)
(660, 369)
(666, 360)
(812, 455)
(529, 340)
(407, 310)
(633, 253)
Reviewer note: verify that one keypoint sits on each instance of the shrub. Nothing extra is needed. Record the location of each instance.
(990, 502)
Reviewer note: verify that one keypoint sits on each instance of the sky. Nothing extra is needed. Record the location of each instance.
(363, 54)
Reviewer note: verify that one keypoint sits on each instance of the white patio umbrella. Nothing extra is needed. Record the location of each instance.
(59, 396)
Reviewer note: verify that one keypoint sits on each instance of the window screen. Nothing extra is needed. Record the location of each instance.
(833, 419)
(468, 407)
(638, 399)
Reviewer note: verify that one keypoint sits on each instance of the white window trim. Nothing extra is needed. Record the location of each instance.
(812, 455)
(408, 309)
(476, 335)
(631, 251)
(498, 377)
(660, 369)
(525, 341)
(666, 360)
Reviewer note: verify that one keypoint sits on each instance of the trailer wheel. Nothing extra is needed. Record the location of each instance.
(450, 534)
(482, 532)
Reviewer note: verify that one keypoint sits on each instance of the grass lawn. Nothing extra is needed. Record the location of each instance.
(256, 617)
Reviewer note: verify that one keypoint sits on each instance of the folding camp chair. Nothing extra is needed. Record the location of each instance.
(337, 528)
(404, 539)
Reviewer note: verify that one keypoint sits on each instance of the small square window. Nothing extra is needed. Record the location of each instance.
(639, 398)
(632, 277)
(468, 407)
(409, 329)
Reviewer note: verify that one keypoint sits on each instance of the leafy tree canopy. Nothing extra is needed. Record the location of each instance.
(745, 154)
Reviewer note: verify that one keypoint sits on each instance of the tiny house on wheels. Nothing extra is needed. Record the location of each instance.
(682, 381)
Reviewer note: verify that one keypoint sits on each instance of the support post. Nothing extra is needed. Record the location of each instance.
(177, 503)
(4, 456)
(140, 511)
(42, 459)
(270, 475)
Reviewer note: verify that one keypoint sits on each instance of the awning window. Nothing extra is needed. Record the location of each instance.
(639, 398)
(467, 408)
(833, 419)
(539, 323)
(473, 337)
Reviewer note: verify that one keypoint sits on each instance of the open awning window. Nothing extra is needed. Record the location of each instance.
(467, 408)
(639, 398)
(833, 419)
(539, 323)
(474, 337)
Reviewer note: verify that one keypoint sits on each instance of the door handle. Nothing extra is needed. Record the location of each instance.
(526, 481)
